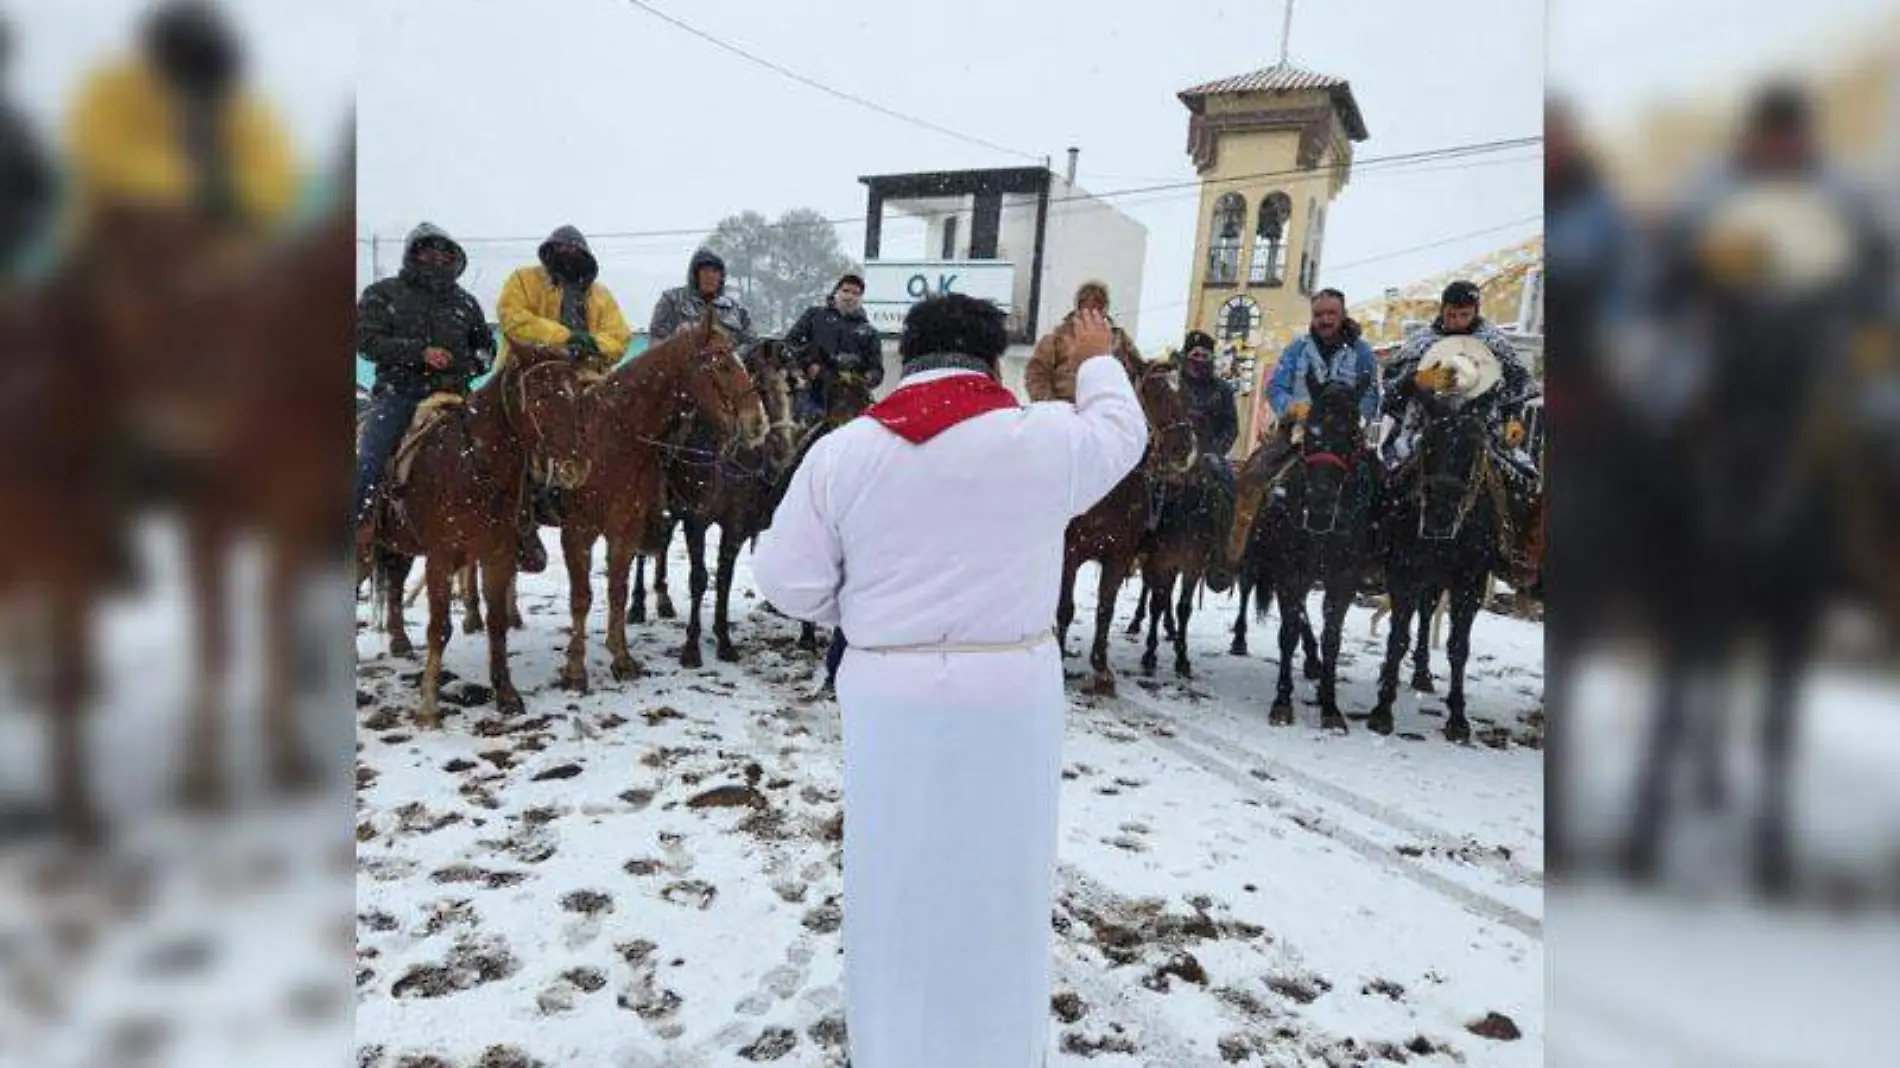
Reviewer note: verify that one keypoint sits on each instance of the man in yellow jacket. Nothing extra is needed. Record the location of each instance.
(174, 128)
(559, 304)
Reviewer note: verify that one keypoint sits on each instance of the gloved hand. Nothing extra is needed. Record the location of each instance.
(582, 341)
(1438, 378)
(1513, 433)
(1298, 411)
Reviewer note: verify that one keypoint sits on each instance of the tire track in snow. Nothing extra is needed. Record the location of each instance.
(1124, 710)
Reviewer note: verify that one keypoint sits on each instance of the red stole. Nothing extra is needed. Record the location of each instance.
(920, 412)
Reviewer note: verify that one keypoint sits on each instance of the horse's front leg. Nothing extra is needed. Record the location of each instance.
(1281, 714)
(498, 575)
(437, 577)
(722, 598)
(1339, 591)
(1160, 587)
(620, 554)
(1065, 602)
(1398, 639)
(578, 551)
(1114, 573)
(696, 589)
(1183, 610)
(663, 600)
(469, 579)
(395, 571)
(1465, 598)
(637, 609)
(205, 783)
(1239, 648)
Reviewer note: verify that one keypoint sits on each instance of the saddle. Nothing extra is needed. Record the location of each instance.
(430, 415)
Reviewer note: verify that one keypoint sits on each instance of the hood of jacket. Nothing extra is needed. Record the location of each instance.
(569, 235)
(424, 232)
(705, 257)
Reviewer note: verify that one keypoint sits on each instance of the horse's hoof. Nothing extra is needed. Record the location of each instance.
(665, 610)
(689, 656)
(472, 624)
(1333, 721)
(1457, 730)
(1103, 685)
(1315, 670)
(1148, 664)
(515, 621)
(727, 653)
(428, 720)
(1239, 648)
(508, 702)
(637, 615)
(402, 649)
(1380, 721)
(625, 670)
(574, 681)
(1422, 683)
(1183, 669)
(1281, 714)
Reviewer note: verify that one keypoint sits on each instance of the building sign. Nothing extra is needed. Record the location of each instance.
(892, 286)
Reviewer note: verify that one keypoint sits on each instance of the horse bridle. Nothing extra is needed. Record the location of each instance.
(543, 468)
(1473, 483)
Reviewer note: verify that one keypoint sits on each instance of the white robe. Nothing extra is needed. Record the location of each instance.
(952, 756)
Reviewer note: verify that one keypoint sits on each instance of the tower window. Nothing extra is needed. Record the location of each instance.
(1223, 244)
(1269, 241)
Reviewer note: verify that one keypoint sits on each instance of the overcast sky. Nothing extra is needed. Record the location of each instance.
(499, 117)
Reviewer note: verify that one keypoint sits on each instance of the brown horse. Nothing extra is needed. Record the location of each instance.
(462, 498)
(729, 483)
(216, 426)
(1118, 529)
(1186, 535)
(630, 418)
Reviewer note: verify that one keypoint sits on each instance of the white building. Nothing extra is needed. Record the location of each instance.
(1024, 237)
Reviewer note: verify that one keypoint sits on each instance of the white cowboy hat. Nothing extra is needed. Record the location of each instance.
(1806, 240)
(1476, 369)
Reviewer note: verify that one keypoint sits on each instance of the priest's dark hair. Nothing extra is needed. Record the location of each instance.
(954, 323)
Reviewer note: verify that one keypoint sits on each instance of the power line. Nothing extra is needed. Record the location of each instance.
(1394, 162)
(823, 88)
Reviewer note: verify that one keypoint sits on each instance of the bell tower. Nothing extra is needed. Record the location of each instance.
(1273, 148)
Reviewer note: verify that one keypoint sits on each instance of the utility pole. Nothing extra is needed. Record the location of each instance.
(375, 257)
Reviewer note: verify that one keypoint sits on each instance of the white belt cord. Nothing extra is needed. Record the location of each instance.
(1023, 644)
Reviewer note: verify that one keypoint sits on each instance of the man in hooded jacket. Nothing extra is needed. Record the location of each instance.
(27, 183)
(684, 305)
(425, 334)
(174, 128)
(835, 337)
(558, 302)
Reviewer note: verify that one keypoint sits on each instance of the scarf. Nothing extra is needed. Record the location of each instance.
(921, 411)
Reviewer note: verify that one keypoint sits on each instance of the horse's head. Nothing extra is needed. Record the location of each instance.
(1330, 448)
(1173, 451)
(770, 366)
(717, 387)
(541, 399)
(1451, 458)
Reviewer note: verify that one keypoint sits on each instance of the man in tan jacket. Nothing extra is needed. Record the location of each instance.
(1052, 367)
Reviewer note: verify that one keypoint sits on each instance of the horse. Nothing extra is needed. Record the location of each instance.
(463, 496)
(1322, 534)
(1187, 538)
(728, 483)
(1440, 533)
(216, 427)
(629, 419)
(1119, 527)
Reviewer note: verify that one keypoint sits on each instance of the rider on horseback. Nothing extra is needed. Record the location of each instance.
(835, 338)
(558, 303)
(1210, 404)
(1051, 371)
(682, 306)
(426, 335)
(1458, 315)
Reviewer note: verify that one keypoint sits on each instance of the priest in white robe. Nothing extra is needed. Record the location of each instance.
(931, 529)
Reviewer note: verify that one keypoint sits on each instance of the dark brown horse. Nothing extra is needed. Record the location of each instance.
(1117, 530)
(629, 419)
(463, 495)
(725, 482)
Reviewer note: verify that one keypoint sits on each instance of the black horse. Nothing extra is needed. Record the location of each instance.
(1440, 528)
(1321, 532)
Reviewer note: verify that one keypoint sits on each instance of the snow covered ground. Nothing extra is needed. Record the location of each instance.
(649, 875)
